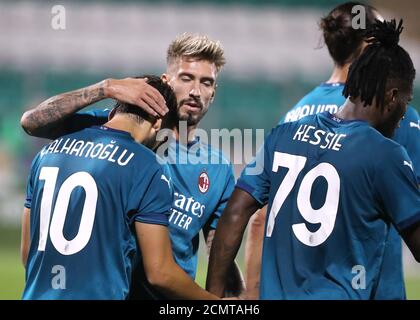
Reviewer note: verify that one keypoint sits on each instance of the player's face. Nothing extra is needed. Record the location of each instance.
(150, 140)
(394, 111)
(194, 84)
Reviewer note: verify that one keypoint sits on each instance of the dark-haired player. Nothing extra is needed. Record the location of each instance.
(86, 193)
(344, 44)
(334, 183)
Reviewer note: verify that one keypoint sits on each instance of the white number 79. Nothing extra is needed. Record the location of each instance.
(325, 215)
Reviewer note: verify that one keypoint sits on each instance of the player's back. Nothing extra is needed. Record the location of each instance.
(328, 97)
(327, 225)
(86, 189)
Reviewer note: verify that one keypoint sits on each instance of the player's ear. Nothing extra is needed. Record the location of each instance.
(391, 98)
(157, 125)
(164, 77)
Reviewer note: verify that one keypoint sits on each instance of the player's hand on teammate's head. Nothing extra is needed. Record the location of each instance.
(138, 92)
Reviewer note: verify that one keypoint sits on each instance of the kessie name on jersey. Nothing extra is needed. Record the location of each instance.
(329, 140)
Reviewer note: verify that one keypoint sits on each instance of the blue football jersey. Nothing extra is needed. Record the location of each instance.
(85, 191)
(202, 180)
(328, 97)
(201, 191)
(328, 218)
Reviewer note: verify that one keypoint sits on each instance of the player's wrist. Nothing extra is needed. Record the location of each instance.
(108, 86)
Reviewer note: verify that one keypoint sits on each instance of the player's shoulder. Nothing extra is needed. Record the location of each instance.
(411, 118)
(319, 92)
(411, 113)
(388, 148)
(376, 142)
(146, 155)
(38, 157)
(306, 98)
(394, 148)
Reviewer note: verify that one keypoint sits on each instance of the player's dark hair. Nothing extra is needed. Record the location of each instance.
(382, 62)
(344, 41)
(164, 89)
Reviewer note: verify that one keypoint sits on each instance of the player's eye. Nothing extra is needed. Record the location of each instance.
(185, 79)
(207, 83)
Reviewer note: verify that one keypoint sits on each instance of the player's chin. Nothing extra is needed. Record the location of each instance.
(191, 119)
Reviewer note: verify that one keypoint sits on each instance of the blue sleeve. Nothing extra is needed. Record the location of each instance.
(255, 178)
(408, 135)
(30, 181)
(227, 192)
(157, 197)
(86, 119)
(29, 190)
(396, 188)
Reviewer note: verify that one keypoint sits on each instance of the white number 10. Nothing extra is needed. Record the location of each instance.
(62, 245)
(325, 215)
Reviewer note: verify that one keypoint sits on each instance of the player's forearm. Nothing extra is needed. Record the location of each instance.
(46, 118)
(223, 252)
(253, 254)
(235, 285)
(174, 283)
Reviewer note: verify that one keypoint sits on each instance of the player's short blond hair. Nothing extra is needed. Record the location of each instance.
(196, 46)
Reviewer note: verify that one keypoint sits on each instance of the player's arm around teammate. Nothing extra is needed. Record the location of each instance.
(54, 116)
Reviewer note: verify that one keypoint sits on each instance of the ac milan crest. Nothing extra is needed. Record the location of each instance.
(203, 182)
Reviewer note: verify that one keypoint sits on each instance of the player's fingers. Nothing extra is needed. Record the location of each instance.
(155, 94)
(144, 105)
(153, 104)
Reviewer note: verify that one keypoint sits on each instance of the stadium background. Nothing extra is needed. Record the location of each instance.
(274, 56)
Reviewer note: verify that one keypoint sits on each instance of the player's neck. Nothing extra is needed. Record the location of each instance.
(180, 130)
(139, 131)
(339, 74)
(354, 110)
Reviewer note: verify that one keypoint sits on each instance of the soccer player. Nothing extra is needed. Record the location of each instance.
(333, 183)
(344, 45)
(86, 192)
(201, 190)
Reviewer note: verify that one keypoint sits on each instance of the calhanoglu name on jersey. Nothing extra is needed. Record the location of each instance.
(87, 149)
(325, 140)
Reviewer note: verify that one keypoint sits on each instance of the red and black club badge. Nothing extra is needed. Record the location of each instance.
(203, 182)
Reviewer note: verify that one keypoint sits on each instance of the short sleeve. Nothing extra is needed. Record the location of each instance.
(396, 187)
(408, 135)
(29, 190)
(30, 182)
(157, 198)
(86, 119)
(227, 192)
(255, 178)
